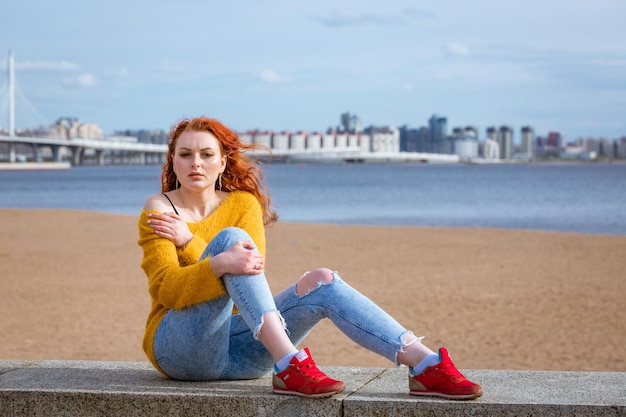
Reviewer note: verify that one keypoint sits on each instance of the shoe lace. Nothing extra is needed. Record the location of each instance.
(311, 371)
(450, 370)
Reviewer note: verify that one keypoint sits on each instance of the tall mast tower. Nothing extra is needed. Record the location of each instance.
(11, 69)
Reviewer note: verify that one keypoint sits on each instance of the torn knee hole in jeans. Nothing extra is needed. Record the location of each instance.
(304, 288)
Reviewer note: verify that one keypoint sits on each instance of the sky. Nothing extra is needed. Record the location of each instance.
(554, 65)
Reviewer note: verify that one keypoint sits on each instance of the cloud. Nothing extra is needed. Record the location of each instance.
(86, 80)
(581, 68)
(61, 66)
(172, 67)
(118, 73)
(272, 77)
(457, 49)
(341, 19)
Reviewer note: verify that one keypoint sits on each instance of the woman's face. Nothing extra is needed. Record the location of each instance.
(198, 160)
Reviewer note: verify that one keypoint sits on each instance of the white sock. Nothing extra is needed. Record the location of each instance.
(282, 364)
(430, 360)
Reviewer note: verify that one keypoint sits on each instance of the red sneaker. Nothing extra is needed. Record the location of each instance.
(303, 378)
(444, 380)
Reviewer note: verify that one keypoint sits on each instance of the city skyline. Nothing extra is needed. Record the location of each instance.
(282, 66)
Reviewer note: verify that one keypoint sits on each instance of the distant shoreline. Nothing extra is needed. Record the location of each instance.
(33, 166)
(46, 166)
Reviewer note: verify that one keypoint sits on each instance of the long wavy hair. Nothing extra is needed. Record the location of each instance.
(241, 172)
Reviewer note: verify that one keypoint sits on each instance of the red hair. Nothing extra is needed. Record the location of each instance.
(241, 172)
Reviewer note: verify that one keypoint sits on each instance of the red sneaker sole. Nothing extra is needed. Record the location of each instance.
(448, 396)
(300, 394)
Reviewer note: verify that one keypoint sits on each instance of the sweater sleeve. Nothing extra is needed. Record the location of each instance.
(251, 220)
(171, 284)
(192, 251)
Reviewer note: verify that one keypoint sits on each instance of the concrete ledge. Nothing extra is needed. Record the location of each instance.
(128, 389)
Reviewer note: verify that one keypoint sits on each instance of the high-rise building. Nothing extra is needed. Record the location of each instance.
(464, 142)
(72, 127)
(438, 134)
(413, 140)
(383, 139)
(527, 142)
(505, 140)
(555, 140)
(491, 149)
(620, 148)
(550, 146)
(470, 131)
(350, 123)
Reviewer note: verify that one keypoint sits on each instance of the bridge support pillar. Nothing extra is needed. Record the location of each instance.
(77, 155)
(100, 157)
(36, 155)
(12, 152)
(56, 153)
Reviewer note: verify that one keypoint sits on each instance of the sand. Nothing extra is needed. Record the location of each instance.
(72, 289)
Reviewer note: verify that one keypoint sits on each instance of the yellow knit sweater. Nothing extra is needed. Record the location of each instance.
(176, 278)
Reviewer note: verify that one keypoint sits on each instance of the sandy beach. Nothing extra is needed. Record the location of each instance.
(72, 288)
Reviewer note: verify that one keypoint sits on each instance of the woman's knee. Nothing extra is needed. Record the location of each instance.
(233, 233)
(313, 279)
(224, 240)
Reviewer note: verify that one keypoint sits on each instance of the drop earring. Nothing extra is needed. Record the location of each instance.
(219, 182)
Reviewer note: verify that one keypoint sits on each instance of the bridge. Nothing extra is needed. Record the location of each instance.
(80, 148)
(377, 147)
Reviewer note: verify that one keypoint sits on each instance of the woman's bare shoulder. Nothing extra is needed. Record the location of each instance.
(157, 202)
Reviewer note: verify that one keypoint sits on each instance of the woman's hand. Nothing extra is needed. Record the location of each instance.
(239, 259)
(171, 227)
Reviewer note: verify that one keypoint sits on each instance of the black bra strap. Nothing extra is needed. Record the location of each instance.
(168, 199)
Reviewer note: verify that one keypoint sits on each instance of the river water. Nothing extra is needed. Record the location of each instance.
(582, 198)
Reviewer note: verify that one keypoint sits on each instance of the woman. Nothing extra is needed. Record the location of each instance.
(213, 315)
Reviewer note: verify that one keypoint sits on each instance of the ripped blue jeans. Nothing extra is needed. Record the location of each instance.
(207, 342)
